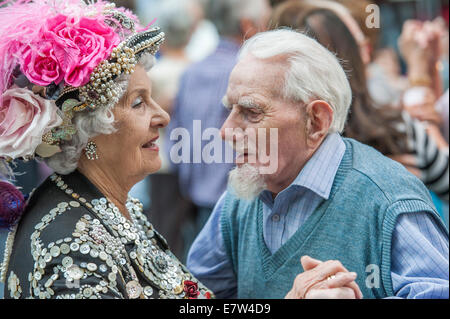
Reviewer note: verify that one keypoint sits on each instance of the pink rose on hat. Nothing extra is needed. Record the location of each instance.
(40, 65)
(80, 45)
(24, 118)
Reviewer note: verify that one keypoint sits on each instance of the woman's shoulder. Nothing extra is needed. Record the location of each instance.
(49, 220)
(50, 212)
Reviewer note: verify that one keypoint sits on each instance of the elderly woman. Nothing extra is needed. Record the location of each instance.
(76, 93)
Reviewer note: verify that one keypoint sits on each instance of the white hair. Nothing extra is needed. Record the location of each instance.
(246, 181)
(89, 124)
(313, 71)
(227, 14)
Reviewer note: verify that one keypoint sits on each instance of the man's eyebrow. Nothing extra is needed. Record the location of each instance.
(245, 102)
(248, 103)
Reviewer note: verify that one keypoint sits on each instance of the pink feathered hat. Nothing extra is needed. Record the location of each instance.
(58, 58)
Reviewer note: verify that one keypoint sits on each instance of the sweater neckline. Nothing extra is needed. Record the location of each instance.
(272, 262)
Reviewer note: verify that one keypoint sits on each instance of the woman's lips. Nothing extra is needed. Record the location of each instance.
(151, 145)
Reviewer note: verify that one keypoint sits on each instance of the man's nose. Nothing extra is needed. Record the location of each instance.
(227, 125)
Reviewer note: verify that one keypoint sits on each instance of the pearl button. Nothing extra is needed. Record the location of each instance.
(276, 218)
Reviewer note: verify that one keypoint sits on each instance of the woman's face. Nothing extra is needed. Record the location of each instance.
(132, 149)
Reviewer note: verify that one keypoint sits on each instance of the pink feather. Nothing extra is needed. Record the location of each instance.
(23, 20)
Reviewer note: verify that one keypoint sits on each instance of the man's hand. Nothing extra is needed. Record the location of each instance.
(324, 280)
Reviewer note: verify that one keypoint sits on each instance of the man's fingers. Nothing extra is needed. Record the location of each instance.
(344, 293)
(309, 263)
(345, 280)
(334, 293)
(329, 268)
(354, 286)
(315, 276)
(340, 280)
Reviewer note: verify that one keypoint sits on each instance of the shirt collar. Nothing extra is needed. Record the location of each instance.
(319, 172)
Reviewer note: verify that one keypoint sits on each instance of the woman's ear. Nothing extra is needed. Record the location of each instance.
(319, 116)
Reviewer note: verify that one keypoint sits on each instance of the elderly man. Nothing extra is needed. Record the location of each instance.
(336, 219)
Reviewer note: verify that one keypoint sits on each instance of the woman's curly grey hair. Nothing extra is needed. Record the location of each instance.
(90, 124)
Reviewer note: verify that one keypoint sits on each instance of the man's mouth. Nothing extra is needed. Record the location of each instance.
(245, 157)
(151, 145)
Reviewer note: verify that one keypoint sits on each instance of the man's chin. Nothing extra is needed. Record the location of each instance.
(240, 165)
(246, 181)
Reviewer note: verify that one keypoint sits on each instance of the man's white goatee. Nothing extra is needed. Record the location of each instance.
(246, 181)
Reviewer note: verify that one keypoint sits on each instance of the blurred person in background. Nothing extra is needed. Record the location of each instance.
(178, 20)
(442, 105)
(423, 46)
(423, 151)
(442, 108)
(205, 38)
(274, 3)
(386, 83)
(201, 90)
(169, 210)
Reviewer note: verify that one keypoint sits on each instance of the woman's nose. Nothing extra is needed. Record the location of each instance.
(161, 118)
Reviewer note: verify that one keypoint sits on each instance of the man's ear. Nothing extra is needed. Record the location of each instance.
(319, 116)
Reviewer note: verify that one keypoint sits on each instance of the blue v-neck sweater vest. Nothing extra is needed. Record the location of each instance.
(354, 226)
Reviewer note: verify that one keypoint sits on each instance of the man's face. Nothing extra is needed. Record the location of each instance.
(256, 101)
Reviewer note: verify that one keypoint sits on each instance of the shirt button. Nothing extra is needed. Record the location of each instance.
(276, 218)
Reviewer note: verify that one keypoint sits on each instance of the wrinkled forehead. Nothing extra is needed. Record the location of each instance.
(139, 82)
(139, 77)
(252, 75)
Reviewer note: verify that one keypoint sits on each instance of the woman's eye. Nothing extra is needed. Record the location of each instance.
(137, 103)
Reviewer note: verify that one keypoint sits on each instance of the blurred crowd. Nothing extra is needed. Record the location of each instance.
(395, 53)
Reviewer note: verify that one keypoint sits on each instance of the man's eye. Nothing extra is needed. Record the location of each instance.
(253, 114)
(137, 103)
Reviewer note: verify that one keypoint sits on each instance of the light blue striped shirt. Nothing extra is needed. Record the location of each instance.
(419, 266)
(281, 216)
